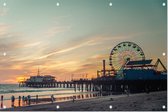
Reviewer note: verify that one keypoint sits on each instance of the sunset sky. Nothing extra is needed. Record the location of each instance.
(75, 36)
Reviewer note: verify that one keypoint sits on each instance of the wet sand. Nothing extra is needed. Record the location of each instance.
(47, 98)
(142, 101)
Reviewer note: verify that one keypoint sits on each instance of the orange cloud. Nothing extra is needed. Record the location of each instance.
(66, 50)
(32, 44)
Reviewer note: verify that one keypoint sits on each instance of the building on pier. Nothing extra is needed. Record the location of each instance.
(39, 81)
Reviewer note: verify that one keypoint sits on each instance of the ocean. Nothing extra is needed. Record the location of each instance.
(7, 90)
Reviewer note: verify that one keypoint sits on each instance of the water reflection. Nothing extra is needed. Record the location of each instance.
(22, 101)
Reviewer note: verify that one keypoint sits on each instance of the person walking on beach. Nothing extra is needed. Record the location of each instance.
(127, 91)
(147, 89)
(1, 101)
(29, 99)
(100, 92)
(36, 99)
(73, 98)
(13, 100)
(52, 98)
(23, 100)
(19, 101)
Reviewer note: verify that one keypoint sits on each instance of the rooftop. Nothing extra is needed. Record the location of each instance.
(140, 62)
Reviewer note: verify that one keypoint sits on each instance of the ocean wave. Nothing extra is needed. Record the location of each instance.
(18, 91)
(22, 91)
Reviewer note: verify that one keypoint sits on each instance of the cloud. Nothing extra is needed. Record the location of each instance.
(32, 44)
(80, 55)
(88, 66)
(68, 66)
(51, 32)
(88, 41)
(74, 47)
(66, 50)
(98, 57)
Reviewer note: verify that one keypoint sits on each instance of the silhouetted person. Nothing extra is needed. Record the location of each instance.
(1, 101)
(73, 98)
(52, 98)
(23, 100)
(13, 101)
(19, 100)
(100, 92)
(147, 90)
(127, 92)
(36, 99)
(29, 99)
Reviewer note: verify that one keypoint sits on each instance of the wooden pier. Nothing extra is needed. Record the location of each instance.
(106, 83)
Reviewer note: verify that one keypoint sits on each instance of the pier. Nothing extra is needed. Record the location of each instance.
(126, 74)
(112, 84)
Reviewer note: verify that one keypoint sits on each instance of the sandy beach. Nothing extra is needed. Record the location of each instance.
(153, 101)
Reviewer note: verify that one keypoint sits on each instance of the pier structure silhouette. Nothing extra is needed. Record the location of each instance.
(129, 71)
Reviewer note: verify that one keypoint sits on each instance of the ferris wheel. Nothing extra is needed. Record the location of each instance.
(124, 52)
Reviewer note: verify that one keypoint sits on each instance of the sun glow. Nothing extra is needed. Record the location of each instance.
(21, 79)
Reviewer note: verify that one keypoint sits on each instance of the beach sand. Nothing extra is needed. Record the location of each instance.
(142, 101)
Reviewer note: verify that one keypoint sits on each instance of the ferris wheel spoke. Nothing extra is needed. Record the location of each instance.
(123, 51)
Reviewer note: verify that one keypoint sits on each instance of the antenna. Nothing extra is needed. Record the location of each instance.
(104, 67)
(72, 75)
(38, 74)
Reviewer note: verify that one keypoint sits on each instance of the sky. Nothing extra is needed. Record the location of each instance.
(65, 37)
